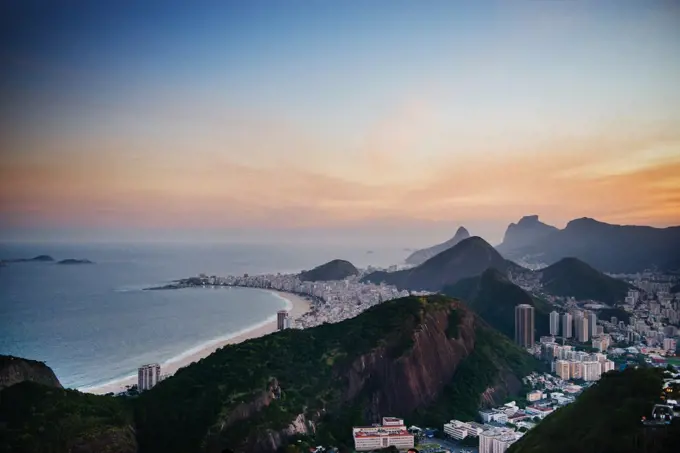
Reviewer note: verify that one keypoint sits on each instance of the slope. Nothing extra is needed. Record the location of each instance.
(332, 270)
(494, 298)
(468, 258)
(610, 248)
(524, 233)
(395, 358)
(14, 370)
(571, 277)
(605, 418)
(420, 256)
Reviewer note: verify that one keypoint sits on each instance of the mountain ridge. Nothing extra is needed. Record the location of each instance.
(333, 270)
(468, 258)
(420, 256)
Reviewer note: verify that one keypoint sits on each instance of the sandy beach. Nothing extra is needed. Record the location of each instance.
(298, 306)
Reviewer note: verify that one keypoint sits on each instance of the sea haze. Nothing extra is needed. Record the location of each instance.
(94, 323)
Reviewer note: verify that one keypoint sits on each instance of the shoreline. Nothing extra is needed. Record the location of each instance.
(296, 305)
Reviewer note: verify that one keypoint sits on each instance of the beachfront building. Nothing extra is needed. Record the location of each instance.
(282, 320)
(392, 432)
(148, 376)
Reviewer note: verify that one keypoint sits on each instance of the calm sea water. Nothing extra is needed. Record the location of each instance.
(93, 323)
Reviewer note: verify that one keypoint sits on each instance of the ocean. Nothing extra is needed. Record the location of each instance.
(94, 324)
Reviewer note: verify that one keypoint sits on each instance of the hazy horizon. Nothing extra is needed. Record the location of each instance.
(374, 122)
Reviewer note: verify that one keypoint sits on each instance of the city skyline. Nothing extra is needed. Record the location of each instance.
(120, 120)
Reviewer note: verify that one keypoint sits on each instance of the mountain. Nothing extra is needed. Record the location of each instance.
(572, 277)
(39, 259)
(14, 370)
(332, 270)
(675, 289)
(420, 256)
(36, 418)
(423, 358)
(74, 261)
(607, 247)
(606, 418)
(468, 258)
(526, 232)
(493, 297)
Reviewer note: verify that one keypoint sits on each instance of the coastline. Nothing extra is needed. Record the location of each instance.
(296, 305)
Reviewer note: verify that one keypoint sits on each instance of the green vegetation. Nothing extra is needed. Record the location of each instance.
(620, 314)
(494, 298)
(332, 270)
(606, 418)
(460, 399)
(336, 375)
(35, 418)
(571, 277)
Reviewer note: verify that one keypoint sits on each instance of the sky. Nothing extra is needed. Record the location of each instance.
(392, 120)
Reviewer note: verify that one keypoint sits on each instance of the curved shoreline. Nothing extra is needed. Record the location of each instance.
(295, 305)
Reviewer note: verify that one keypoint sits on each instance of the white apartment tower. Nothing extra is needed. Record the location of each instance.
(592, 323)
(582, 329)
(554, 323)
(566, 325)
(148, 376)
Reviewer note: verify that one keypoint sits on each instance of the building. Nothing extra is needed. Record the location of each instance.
(582, 328)
(576, 369)
(460, 430)
(566, 325)
(562, 369)
(281, 317)
(601, 343)
(392, 432)
(554, 323)
(592, 323)
(497, 440)
(534, 395)
(591, 371)
(148, 376)
(607, 365)
(670, 344)
(524, 325)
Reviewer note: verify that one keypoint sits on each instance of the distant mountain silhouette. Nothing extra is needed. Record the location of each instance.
(523, 233)
(468, 258)
(332, 270)
(420, 256)
(606, 247)
(493, 297)
(572, 277)
(39, 259)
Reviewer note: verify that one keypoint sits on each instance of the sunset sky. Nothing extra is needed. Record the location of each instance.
(405, 119)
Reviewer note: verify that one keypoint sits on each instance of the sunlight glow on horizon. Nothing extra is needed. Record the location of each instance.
(239, 117)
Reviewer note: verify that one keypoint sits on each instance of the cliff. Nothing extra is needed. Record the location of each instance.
(399, 358)
(527, 231)
(468, 258)
(332, 270)
(14, 370)
(420, 256)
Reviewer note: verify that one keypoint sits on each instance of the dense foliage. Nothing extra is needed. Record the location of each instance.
(494, 298)
(35, 418)
(606, 418)
(332, 270)
(574, 278)
(468, 258)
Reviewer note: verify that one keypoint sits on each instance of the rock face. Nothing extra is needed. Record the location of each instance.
(14, 370)
(468, 258)
(420, 256)
(398, 357)
(332, 270)
(606, 247)
(527, 231)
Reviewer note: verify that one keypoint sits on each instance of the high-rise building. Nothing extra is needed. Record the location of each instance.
(581, 328)
(607, 365)
(670, 344)
(554, 323)
(566, 325)
(591, 371)
(497, 440)
(524, 325)
(562, 369)
(281, 317)
(592, 323)
(148, 376)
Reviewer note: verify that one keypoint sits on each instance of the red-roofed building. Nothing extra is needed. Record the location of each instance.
(392, 432)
